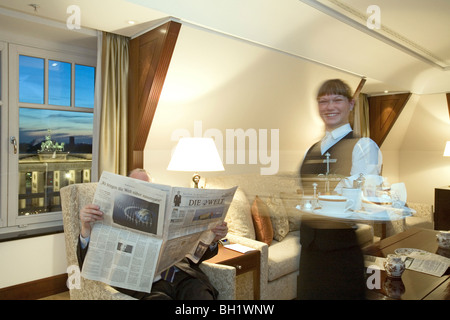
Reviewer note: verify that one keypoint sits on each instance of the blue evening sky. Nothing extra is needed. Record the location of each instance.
(34, 123)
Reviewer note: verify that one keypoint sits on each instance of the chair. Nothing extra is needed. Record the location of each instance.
(73, 198)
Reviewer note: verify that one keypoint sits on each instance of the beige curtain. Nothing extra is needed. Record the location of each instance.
(361, 116)
(113, 121)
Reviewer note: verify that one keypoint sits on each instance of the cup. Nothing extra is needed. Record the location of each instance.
(353, 194)
(335, 203)
(443, 238)
(308, 203)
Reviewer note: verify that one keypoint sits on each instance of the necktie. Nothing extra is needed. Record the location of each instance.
(168, 274)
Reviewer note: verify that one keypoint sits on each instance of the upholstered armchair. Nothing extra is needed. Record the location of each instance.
(73, 198)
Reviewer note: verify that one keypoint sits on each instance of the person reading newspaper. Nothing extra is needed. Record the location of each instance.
(184, 281)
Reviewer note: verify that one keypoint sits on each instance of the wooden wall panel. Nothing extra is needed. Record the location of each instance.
(150, 56)
(448, 103)
(36, 289)
(383, 112)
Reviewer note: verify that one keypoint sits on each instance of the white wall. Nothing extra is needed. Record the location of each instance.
(416, 145)
(31, 259)
(225, 83)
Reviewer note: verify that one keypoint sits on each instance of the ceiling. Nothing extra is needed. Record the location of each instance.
(408, 51)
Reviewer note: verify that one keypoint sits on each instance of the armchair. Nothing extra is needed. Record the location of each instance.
(73, 198)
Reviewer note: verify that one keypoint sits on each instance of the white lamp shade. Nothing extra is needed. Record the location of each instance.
(196, 155)
(447, 149)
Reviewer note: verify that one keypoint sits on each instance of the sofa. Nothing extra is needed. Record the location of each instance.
(73, 198)
(422, 218)
(263, 216)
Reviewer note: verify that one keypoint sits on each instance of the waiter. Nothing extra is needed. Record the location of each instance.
(331, 261)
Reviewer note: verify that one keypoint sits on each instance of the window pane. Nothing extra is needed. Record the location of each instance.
(59, 83)
(84, 86)
(31, 79)
(55, 150)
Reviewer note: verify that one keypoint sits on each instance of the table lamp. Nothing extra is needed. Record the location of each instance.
(196, 155)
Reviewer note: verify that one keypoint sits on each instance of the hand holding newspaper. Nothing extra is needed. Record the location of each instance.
(149, 227)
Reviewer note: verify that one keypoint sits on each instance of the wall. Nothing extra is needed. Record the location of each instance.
(216, 83)
(31, 259)
(416, 144)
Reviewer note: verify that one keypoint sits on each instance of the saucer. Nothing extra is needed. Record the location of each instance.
(379, 215)
(379, 201)
(408, 251)
(333, 214)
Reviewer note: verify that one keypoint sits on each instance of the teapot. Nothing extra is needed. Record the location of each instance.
(394, 266)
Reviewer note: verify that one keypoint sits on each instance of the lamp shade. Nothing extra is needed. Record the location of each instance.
(196, 155)
(447, 149)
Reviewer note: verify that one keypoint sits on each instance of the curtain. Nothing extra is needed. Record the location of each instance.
(113, 121)
(361, 116)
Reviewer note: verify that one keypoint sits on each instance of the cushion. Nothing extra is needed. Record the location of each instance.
(290, 201)
(239, 218)
(278, 217)
(261, 221)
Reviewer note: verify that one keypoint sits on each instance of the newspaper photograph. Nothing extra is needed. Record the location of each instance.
(149, 227)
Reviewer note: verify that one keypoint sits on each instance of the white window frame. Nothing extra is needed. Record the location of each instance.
(4, 134)
(11, 221)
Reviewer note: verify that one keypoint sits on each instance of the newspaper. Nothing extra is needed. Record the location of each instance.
(149, 227)
(430, 263)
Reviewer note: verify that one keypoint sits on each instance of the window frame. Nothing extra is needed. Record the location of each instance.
(11, 221)
(3, 133)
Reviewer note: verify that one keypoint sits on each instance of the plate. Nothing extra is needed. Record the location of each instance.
(380, 201)
(332, 214)
(408, 251)
(381, 215)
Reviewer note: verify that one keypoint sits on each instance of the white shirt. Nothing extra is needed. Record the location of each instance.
(366, 156)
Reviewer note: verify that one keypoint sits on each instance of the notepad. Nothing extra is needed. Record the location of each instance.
(239, 247)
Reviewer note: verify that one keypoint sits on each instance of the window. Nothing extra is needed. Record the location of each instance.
(50, 128)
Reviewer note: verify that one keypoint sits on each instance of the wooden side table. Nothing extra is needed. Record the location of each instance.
(243, 262)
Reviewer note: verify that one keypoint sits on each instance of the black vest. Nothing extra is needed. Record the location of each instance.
(314, 166)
